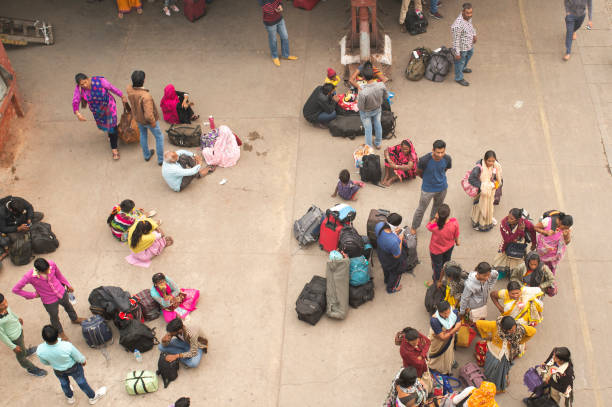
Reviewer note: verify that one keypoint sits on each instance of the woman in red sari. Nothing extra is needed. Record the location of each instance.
(400, 163)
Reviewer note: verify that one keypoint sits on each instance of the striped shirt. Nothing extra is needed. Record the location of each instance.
(196, 340)
(463, 33)
(270, 15)
(122, 221)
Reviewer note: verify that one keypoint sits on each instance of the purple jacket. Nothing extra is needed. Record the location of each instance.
(49, 290)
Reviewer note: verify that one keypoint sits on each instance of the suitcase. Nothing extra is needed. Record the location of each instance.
(350, 242)
(141, 381)
(337, 293)
(361, 294)
(311, 304)
(305, 4)
(96, 331)
(375, 216)
(307, 229)
(194, 9)
(43, 239)
(127, 129)
(330, 233)
(471, 375)
(185, 135)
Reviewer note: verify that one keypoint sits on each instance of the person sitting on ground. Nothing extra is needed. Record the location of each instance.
(174, 301)
(332, 78)
(533, 273)
(453, 278)
(346, 188)
(357, 80)
(558, 372)
(225, 152)
(16, 217)
(400, 163)
(123, 216)
(505, 339)
(146, 240)
(444, 236)
(515, 230)
(320, 108)
(176, 106)
(444, 324)
(476, 292)
(554, 234)
(181, 167)
(414, 347)
(185, 343)
(408, 389)
(392, 252)
(521, 303)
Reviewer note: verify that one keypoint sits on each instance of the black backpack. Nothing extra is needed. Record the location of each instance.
(312, 302)
(43, 239)
(167, 370)
(439, 65)
(350, 242)
(184, 135)
(136, 335)
(370, 170)
(416, 24)
(20, 251)
(361, 294)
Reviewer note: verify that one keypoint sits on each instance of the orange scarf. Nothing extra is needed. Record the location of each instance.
(484, 396)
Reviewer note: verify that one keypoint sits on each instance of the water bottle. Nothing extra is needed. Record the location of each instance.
(72, 298)
(137, 355)
(211, 122)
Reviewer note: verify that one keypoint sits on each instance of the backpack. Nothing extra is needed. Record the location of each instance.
(361, 294)
(471, 375)
(419, 58)
(439, 65)
(414, 23)
(96, 331)
(307, 229)
(412, 258)
(370, 170)
(167, 370)
(140, 382)
(184, 135)
(136, 335)
(311, 303)
(149, 307)
(43, 239)
(359, 271)
(350, 242)
(20, 251)
(374, 218)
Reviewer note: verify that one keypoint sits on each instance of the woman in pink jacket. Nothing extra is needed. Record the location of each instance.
(444, 236)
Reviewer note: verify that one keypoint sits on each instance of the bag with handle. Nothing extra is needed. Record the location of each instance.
(350, 242)
(43, 239)
(465, 336)
(359, 295)
(312, 302)
(533, 381)
(127, 129)
(439, 64)
(359, 271)
(136, 335)
(20, 251)
(419, 58)
(469, 189)
(141, 382)
(194, 9)
(96, 331)
(471, 375)
(184, 135)
(306, 230)
(416, 23)
(370, 170)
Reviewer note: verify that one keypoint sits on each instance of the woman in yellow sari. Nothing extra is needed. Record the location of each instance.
(487, 177)
(524, 304)
(125, 6)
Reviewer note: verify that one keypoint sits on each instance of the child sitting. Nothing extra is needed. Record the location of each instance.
(332, 78)
(346, 188)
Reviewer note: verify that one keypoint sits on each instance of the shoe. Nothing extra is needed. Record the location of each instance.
(566, 57)
(467, 70)
(31, 350)
(175, 8)
(151, 152)
(494, 222)
(463, 82)
(63, 337)
(276, 61)
(99, 394)
(160, 163)
(292, 58)
(70, 400)
(151, 213)
(435, 15)
(377, 146)
(402, 28)
(37, 372)
(166, 11)
(78, 321)
(455, 365)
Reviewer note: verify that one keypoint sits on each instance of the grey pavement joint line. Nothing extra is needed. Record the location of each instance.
(586, 335)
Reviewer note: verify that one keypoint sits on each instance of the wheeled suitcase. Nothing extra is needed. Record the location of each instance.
(337, 293)
(311, 304)
(96, 331)
(194, 9)
(329, 235)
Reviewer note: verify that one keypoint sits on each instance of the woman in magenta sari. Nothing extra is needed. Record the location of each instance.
(400, 163)
(95, 92)
(174, 302)
(146, 241)
(176, 106)
(554, 235)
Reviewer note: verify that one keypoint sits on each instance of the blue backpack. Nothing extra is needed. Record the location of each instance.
(359, 271)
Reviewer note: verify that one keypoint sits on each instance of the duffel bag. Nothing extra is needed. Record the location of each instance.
(310, 305)
(307, 229)
(337, 293)
(20, 251)
(43, 239)
(136, 335)
(184, 135)
(141, 382)
(362, 294)
(350, 126)
(96, 331)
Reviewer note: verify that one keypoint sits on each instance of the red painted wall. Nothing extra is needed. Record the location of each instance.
(11, 105)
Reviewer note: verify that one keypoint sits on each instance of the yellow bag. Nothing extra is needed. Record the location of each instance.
(465, 335)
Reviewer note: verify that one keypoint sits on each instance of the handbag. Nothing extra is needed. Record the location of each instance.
(127, 129)
(542, 401)
(533, 381)
(516, 250)
(465, 336)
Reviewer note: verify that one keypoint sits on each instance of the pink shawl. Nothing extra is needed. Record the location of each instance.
(168, 105)
(225, 152)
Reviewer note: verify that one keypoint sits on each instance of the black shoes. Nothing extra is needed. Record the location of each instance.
(151, 152)
(463, 82)
(467, 70)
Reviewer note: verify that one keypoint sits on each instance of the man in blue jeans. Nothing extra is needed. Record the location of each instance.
(464, 38)
(575, 11)
(66, 361)
(187, 344)
(146, 115)
(274, 22)
(369, 101)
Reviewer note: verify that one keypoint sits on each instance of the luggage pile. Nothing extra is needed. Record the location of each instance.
(434, 65)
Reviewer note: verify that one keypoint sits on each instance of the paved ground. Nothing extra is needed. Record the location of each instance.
(234, 241)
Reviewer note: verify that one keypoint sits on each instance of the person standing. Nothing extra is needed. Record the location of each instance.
(486, 176)
(66, 361)
(11, 333)
(369, 101)
(444, 324)
(414, 347)
(575, 12)
(476, 292)
(146, 115)
(464, 38)
(554, 234)
(392, 251)
(52, 288)
(275, 23)
(432, 168)
(516, 232)
(444, 236)
(96, 92)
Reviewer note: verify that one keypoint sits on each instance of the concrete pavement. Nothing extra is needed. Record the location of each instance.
(234, 241)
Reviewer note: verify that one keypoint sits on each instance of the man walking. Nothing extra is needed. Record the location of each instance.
(66, 361)
(11, 333)
(575, 11)
(274, 22)
(146, 115)
(187, 344)
(432, 168)
(369, 102)
(464, 38)
(52, 288)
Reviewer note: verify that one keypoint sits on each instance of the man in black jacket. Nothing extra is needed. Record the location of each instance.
(16, 217)
(320, 108)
